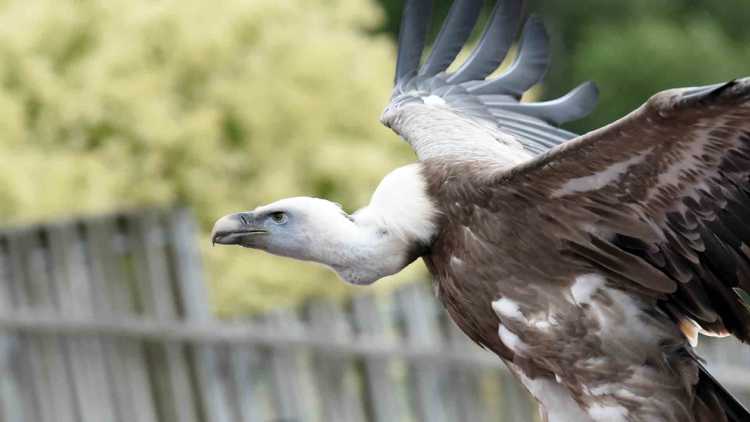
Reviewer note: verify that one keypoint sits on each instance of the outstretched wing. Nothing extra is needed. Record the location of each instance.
(466, 96)
(658, 201)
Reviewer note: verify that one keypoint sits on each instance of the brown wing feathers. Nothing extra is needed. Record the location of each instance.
(682, 211)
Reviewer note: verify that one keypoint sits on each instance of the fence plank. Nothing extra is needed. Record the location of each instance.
(517, 404)
(36, 377)
(728, 359)
(383, 398)
(11, 398)
(76, 295)
(431, 382)
(468, 389)
(46, 357)
(26, 350)
(194, 299)
(290, 373)
(167, 362)
(126, 358)
(56, 395)
(336, 378)
(247, 364)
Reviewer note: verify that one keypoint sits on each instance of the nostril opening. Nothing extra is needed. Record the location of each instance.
(243, 219)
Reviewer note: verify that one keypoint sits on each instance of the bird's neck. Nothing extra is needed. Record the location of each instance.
(366, 251)
(388, 234)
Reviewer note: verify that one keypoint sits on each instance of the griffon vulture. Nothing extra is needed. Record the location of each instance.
(588, 264)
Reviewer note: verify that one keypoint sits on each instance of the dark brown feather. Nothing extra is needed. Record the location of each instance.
(698, 213)
(657, 203)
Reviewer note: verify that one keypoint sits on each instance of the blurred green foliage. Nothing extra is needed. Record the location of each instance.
(636, 48)
(111, 104)
(114, 104)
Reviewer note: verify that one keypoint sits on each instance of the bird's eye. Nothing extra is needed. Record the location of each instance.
(278, 217)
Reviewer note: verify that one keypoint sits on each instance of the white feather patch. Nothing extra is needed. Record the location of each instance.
(508, 308)
(433, 100)
(555, 398)
(511, 340)
(585, 287)
(608, 413)
(401, 204)
(598, 180)
(691, 159)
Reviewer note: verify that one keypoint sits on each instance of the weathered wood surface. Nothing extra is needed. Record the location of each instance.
(108, 319)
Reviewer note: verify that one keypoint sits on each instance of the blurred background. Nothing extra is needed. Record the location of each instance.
(164, 115)
(111, 105)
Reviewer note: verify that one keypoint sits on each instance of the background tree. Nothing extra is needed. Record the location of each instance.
(112, 104)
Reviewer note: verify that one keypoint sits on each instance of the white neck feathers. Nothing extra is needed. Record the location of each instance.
(399, 220)
(400, 204)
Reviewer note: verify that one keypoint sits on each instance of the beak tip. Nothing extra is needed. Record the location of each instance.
(224, 228)
(216, 238)
(231, 229)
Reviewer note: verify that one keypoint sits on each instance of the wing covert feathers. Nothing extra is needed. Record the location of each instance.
(661, 202)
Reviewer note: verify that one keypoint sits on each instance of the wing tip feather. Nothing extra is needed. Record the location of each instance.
(497, 38)
(454, 33)
(411, 39)
(467, 85)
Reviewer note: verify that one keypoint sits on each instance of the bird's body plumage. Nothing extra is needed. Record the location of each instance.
(589, 265)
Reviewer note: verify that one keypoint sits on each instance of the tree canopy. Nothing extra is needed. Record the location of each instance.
(112, 104)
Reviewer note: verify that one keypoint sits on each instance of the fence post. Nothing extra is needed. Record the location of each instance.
(56, 398)
(194, 298)
(292, 391)
(11, 400)
(167, 362)
(125, 357)
(76, 295)
(467, 380)
(420, 316)
(336, 379)
(247, 364)
(516, 402)
(383, 391)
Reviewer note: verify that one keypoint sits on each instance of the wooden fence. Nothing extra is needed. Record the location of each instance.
(107, 319)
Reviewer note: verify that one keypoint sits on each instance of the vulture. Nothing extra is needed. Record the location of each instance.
(589, 264)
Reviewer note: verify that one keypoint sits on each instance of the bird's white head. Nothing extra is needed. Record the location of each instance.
(293, 227)
(376, 241)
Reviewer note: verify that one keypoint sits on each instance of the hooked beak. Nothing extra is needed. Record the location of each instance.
(233, 228)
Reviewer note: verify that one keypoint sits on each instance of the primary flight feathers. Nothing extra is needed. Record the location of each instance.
(467, 91)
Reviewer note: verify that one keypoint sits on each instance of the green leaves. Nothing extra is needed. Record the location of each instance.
(635, 49)
(111, 104)
(114, 104)
(632, 63)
